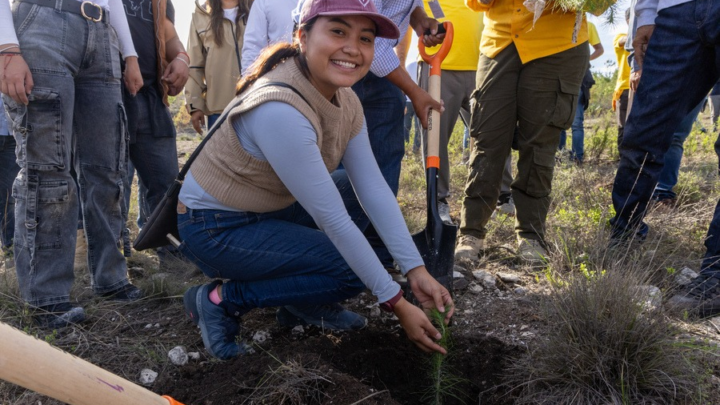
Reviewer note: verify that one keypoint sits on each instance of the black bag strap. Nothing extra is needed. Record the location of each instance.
(223, 117)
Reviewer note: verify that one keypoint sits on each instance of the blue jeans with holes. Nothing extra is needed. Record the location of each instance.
(75, 118)
(275, 258)
(669, 174)
(8, 170)
(384, 105)
(681, 66)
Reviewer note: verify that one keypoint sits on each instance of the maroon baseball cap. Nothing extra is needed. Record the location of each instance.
(366, 8)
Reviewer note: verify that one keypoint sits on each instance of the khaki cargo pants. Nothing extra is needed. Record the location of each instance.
(538, 97)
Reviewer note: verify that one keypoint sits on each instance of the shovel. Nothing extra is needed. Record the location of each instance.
(436, 242)
(35, 365)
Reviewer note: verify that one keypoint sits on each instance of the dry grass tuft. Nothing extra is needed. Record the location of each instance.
(292, 383)
(609, 345)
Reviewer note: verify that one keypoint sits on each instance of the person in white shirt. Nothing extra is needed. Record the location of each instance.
(269, 22)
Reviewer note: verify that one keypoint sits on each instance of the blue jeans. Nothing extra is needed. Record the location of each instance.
(578, 133)
(275, 258)
(681, 66)
(152, 150)
(669, 175)
(383, 104)
(75, 117)
(211, 120)
(8, 170)
(409, 122)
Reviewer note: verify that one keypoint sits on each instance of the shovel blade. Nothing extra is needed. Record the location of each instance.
(437, 248)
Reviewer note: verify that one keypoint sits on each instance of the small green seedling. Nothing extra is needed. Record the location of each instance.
(444, 383)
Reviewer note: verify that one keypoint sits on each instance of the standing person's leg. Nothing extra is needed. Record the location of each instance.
(578, 132)
(8, 171)
(547, 94)
(714, 102)
(675, 79)
(100, 164)
(46, 204)
(154, 152)
(621, 111)
(383, 104)
(492, 126)
(668, 177)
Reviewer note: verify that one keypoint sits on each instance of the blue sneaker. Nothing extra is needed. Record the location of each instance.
(330, 316)
(219, 330)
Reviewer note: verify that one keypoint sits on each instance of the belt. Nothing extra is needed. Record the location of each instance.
(89, 10)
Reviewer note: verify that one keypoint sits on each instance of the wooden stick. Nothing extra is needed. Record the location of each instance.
(38, 366)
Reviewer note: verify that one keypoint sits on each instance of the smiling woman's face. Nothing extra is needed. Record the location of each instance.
(338, 51)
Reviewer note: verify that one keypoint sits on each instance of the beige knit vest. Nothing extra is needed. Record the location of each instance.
(237, 179)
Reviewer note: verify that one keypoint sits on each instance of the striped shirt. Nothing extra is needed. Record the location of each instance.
(398, 11)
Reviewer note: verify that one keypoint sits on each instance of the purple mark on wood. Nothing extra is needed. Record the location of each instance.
(117, 388)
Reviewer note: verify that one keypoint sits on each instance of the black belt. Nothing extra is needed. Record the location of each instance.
(89, 10)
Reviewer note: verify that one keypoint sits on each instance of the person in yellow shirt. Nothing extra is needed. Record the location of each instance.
(529, 76)
(622, 86)
(458, 83)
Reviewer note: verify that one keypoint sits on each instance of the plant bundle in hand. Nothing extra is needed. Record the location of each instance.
(580, 7)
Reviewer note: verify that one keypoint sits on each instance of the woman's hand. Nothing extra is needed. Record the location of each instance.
(15, 77)
(132, 76)
(429, 292)
(197, 119)
(418, 327)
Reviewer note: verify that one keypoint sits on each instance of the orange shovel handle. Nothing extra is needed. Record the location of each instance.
(435, 60)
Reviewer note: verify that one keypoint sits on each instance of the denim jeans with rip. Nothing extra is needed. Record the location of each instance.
(75, 118)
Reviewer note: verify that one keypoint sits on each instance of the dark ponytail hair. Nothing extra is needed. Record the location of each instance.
(273, 55)
(214, 7)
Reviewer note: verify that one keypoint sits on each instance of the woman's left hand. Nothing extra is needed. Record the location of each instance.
(132, 76)
(429, 292)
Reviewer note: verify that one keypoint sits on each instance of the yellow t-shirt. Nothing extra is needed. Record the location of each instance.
(593, 36)
(508, 21)
(468, 26)
(623, 79)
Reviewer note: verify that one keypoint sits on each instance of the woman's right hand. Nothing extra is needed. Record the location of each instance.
(197, 118)
(418, 327)
(15, 78)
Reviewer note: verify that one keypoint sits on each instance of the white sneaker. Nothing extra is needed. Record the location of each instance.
(532, 252)
(468, 248)
(444, 210)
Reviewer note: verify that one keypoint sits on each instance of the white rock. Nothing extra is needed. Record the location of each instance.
(457, 274)
(650, 295)
(157, 325)
(375, 312)
(148, 326)
(480, 275)
(194, 355)
(685, 276)
(298, 330)
(147, 376)
(261, 336)
(487, 279)
(475, 288)
(178, 356)
(509, 277)
(159, 276)
(520, 291)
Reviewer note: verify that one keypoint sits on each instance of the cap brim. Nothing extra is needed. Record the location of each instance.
(385, 27)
